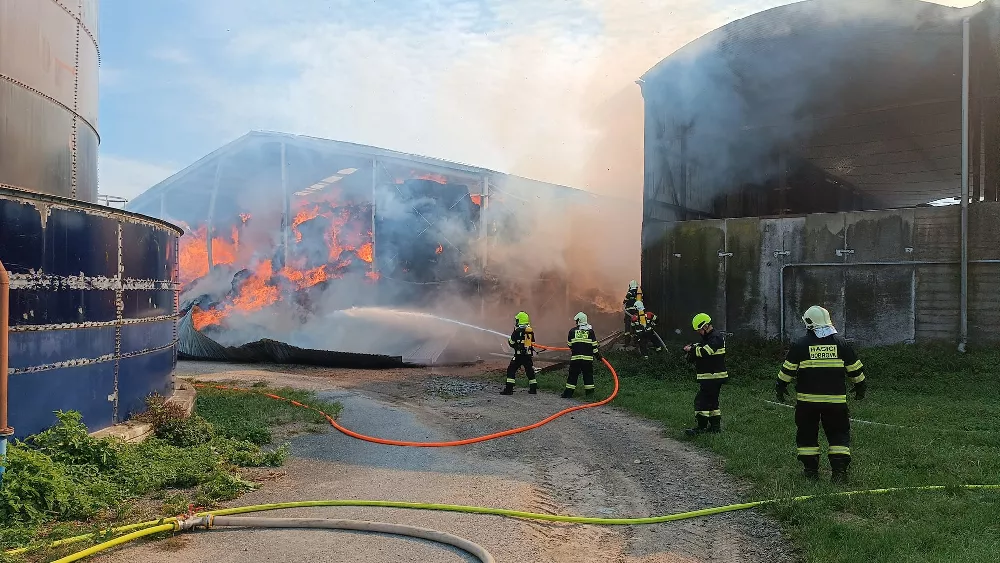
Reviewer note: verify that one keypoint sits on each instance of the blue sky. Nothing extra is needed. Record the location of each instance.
(507, 84)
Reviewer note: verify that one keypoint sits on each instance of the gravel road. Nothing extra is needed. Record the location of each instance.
(598, 462)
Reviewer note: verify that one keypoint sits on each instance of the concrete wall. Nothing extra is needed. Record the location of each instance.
(886, 276)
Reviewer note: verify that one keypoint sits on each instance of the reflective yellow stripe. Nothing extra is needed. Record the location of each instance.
(697, 351)
(582, 358)
(509, 380)
(822, 364)
(839, 450)
(719, 375)
(568, 386)
(808, 451)
(790, 366)
(810, 398)
(708, 349)
(589, 386)
(855, 366)
(720, 352)
(703, 413)
(532, 382)
(785, 377)
(582, 341)
(857, 378)
(715, 413)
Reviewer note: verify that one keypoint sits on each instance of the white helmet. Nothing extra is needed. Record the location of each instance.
(580, 318)
(633, 284)
(639, 306)
(817, 317)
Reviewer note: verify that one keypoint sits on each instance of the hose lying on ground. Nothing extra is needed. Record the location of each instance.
(175, 524)
(465, 442)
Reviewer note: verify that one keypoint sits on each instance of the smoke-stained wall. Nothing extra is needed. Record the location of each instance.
(886, 276)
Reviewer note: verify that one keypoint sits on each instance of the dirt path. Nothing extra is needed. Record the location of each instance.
(598, 462)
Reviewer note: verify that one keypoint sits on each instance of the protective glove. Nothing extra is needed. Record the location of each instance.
(780, 390)
(859, 390)
(597, 355)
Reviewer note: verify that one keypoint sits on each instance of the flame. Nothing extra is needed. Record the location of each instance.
(256, 293)
(476, 199)
(236, 239)
(301, 217)
(439, 249)
(366, 252)
(305, 278)
(202, 318)
(193, 256)
(223, 251)
(244, 217)
(466, 268)
(373, 275)
(439, 178)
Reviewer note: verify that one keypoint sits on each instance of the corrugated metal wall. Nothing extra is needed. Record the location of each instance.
(886, 276)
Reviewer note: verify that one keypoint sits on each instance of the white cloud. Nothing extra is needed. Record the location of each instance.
(548, 93)
(128, 178)
(171, 55)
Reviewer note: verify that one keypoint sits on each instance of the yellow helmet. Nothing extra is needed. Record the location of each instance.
(521, 318)
(700, 321)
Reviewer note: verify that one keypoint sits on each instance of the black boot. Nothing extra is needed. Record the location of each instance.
(508, 389)
(810, 466)
(715, 423)
(701, 428)
(839, 467)
(532, 388)
(567, 393)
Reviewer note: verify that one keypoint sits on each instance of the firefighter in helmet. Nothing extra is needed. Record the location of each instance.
(641, 324)
(634, 294)
(821, 363)
(583, 346)
(709, 359)
(522, 341)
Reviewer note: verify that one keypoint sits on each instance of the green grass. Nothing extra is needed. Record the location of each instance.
(62, 482)
(251, 416)
(952, 399)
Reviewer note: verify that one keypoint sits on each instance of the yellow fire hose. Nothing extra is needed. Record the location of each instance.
(204, 518)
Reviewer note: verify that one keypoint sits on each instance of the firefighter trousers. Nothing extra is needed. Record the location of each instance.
(836, 423)
(577, 367)
(706, 403)
(516, 363)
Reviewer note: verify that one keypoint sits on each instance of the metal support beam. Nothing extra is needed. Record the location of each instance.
(374, 190)
(286, 219)
(484, 236)
(964, 289)
(210, 222)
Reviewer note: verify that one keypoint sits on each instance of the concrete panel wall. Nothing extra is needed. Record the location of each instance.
(886, 276)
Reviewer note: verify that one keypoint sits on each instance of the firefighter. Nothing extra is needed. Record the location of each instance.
(522, 340)
(642, 323)
(634, 294)
(822, 361)
(584, 350)
(709, 359)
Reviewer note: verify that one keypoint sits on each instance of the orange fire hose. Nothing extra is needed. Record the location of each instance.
(465, 442)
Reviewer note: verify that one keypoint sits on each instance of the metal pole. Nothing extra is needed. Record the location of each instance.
(209, 227)
(286, 221)
(964, 290)
(484, 236)
(374, 190)
(5, 430)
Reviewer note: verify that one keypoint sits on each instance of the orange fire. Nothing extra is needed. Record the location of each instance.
(202, 318)
(305, 278)
(193, 258)
(301, 217)
(244, 217)
(256, 293)
(439, 178)
(223, 251)
(466, 268)
(439, 249)
(373, 275)
(366, 252)
(476, 199)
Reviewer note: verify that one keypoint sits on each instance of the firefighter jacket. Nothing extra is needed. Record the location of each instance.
(637, 321)
(522, 340)
(709, 357)
(583, 344)
(821, 368)
(630, 299)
